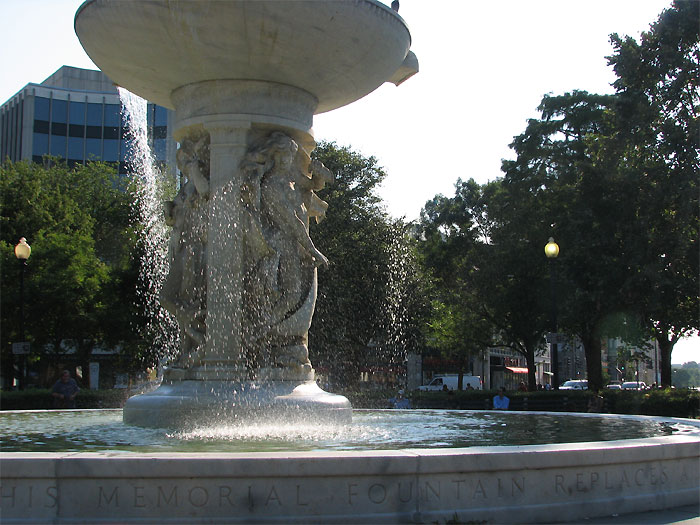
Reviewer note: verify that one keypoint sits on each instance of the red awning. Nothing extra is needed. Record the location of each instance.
(517, 369)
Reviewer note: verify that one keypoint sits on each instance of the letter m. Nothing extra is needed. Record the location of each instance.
(108, 499)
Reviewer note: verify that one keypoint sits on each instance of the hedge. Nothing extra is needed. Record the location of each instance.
(670, 403)
(39, 399)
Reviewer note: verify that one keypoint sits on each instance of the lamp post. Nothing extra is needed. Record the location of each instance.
(22, 252)
(551, 250)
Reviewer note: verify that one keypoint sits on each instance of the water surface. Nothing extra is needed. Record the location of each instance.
(103, 430)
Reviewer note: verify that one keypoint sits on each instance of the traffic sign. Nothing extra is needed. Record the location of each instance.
(20, 348)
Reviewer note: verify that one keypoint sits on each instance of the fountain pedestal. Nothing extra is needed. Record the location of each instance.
(245, 79)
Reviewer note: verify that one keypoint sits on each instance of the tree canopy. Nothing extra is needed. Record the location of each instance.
(368, 294)
(78, 286)
(613, 179)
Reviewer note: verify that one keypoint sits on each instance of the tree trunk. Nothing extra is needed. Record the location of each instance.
(594, 367)
(665, 349)
(531, 379)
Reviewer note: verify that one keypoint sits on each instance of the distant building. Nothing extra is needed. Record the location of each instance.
(75, 114)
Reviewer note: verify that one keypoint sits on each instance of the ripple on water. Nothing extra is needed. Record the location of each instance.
(103, 430)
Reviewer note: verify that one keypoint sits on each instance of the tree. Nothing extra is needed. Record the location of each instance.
(584, 208)
(491, 253)
(449, 231)
(78, 223)
(654, 143)
(368, 293)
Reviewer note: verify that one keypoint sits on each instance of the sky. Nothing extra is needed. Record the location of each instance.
(484, 67)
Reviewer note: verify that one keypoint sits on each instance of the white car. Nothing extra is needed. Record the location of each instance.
(634, 385)
(613, 386)
(575, 384)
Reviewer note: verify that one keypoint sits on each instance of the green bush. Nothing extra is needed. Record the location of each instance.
(669, 403)
(40, 399)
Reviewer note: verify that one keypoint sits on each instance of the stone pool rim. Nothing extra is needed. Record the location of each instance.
(496, 484)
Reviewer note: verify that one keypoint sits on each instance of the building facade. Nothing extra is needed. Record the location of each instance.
(75, 114)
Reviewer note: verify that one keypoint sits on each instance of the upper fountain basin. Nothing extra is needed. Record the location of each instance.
(338, 51)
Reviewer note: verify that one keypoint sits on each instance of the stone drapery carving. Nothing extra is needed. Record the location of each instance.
(277, 181)
(280, 259)
(184, 292)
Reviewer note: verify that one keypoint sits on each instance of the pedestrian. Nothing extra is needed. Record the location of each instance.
(400, 401)
(64, 391)
(500, 401)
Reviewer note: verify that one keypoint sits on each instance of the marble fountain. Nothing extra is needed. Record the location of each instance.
(245, 79)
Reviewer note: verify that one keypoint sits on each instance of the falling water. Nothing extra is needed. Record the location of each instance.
(397, 295)
(161, 327)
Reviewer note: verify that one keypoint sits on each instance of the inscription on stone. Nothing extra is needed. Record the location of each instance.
(275, 496)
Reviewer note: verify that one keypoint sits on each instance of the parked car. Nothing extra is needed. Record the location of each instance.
(634, 385)
(451, 381)
(575, 384)
(613, 386)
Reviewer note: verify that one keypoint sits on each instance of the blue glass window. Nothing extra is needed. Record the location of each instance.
(94, 114)
(161, 116)
(76, 130)
(93, 149)
(75, 148)
(159, 146)
(111, 150)
(124, 151)
(41, 126)
(77, 113)
(111, 132)
(59, 128)
(40, 144)
(112, 115)
(58, 146)
(59, 111)
(41, 108)
(94, 132)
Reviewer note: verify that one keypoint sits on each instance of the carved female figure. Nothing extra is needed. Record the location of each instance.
(279, 194)
(184, 291)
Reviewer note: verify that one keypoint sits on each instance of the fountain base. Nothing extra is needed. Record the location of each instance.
(182, 404)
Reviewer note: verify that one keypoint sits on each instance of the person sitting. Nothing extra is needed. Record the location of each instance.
(500, 401)
(64, 391)
(400, 401)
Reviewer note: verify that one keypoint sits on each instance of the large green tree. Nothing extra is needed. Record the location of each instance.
(450, 229)
(483, 247)
(78, 222)
(584, 209)
(654, 144)
(368, 306)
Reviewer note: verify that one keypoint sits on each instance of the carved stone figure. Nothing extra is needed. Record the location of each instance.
(184, 291)
(280, 258)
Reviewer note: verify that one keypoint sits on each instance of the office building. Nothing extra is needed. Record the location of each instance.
(75, 114)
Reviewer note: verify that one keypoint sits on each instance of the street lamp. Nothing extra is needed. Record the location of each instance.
(22, 252)
(551, 250)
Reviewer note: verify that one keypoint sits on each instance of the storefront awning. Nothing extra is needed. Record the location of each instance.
(517, 369)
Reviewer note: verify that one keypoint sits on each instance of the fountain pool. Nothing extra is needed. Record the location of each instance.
(415, 466)
(104, 431)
